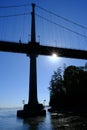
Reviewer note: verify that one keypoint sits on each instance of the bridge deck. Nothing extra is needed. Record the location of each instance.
(42, 50)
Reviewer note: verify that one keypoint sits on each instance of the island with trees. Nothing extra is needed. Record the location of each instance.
(68, 89)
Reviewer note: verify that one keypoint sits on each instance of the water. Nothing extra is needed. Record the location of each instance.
(9, 121)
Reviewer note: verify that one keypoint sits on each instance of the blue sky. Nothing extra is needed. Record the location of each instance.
(14, 68)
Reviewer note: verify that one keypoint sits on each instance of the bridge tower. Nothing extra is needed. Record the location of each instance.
(33, 55)
(33, 108)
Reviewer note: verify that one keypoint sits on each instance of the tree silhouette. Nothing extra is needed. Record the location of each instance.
(68, 90)
(56, 88)
(72, 80)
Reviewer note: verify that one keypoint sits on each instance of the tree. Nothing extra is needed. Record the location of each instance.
(71, 79)
(56, 89)
(75, 82)
(68, 90)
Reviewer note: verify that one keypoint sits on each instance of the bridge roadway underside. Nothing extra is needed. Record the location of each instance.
(42, 50)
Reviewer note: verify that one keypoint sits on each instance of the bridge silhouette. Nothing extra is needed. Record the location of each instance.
(33, 49)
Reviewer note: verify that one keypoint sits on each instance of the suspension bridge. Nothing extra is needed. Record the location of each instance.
(34, 49)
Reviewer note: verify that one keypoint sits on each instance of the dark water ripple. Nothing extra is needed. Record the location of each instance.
(55, 121)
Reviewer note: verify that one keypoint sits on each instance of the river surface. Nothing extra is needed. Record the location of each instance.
(9, 121)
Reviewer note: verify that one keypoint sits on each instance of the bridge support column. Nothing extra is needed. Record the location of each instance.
(33, 108)
(33, 81)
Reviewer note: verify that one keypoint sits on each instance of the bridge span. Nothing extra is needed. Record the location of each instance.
(6, 46)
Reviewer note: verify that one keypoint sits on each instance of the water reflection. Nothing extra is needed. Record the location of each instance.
(34, 122)
(55, 121)
(39, 123)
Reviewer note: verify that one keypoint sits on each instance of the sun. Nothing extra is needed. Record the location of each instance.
(54, 55)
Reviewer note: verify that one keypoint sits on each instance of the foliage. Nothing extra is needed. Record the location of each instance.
(56, 82)
(56, 88)
(70, 89)
(72, 77)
